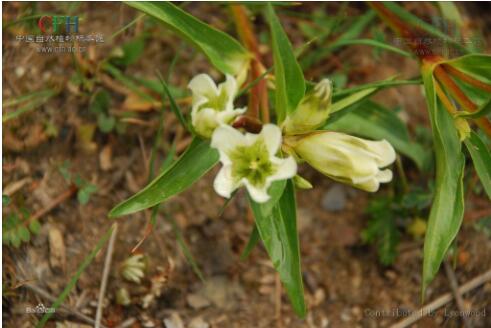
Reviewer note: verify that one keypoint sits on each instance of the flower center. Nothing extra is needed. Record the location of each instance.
(217, 102)
(252, 163)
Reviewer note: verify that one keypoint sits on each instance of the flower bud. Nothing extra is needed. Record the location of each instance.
(345, 158)
(312, 111)
(212, 104)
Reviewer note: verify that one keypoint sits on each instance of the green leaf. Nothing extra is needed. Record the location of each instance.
(84, 193)
(224, 52)
(73, 281)
(351, 99)
(5, 200)
(173, 105)
(353, 31)
(371, 120)
(481, 157)
(290, 83)
(23, 233)
(476, 65)
(451, 12)
(448, 204)
(373, 43)
(278, 231)
(253, 240)
(35, 227)
(390, 82)
(198, 159)
(100, 102)
(382, 230)
(131, 51)
(105, 122)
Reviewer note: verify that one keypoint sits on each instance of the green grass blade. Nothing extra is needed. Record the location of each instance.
(372, 43)
(421, 24)
(73, 281)
(290, 83)
(31, 101)
(253, 240)
(173, 105)
(185, 249)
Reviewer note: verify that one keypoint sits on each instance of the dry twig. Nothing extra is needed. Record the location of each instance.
(442, 300)
(105, 275)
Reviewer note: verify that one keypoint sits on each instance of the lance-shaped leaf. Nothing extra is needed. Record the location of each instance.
(224, 52)
(198, 159)
(371, 120)
(477, 65)
(481, 156)
(290, 83)
(278, 231)
(447, 209)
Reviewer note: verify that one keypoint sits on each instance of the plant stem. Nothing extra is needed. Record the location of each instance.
(444, 99)
(461, 98)
(467, 78)
(258, 96)
(426, 55)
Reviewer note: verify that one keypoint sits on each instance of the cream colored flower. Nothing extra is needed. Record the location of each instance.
(250, 160)
(312, 112)
(212, 104)
(345, 158)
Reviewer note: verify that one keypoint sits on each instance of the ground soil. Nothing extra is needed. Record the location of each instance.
(345, 285)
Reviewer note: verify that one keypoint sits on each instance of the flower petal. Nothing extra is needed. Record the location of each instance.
(259, 195)
(384, 176)
(202, 84)
(286, 169)
(223, 184)
(272, 137)
(230, 86)
(225, 138)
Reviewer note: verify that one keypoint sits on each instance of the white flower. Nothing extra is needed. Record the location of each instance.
(212, 105)
(249, 160)
(312, 111)
(345, 158)
(133, 268)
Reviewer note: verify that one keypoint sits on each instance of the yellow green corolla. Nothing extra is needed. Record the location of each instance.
(345, 158)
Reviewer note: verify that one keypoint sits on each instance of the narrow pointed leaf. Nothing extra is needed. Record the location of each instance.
(481, 156)
(198, 159)
(253, 240)
(290, 83)
(448, 204)
(223, 51)
(278, 231)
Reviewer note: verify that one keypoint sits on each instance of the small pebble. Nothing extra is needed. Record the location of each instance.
(334, 200)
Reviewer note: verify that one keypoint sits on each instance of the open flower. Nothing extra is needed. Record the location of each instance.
(312, 111)
(249, 160)
(345, 158)
(212, 105)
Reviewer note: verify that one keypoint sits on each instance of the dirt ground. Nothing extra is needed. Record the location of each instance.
(345, 285)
